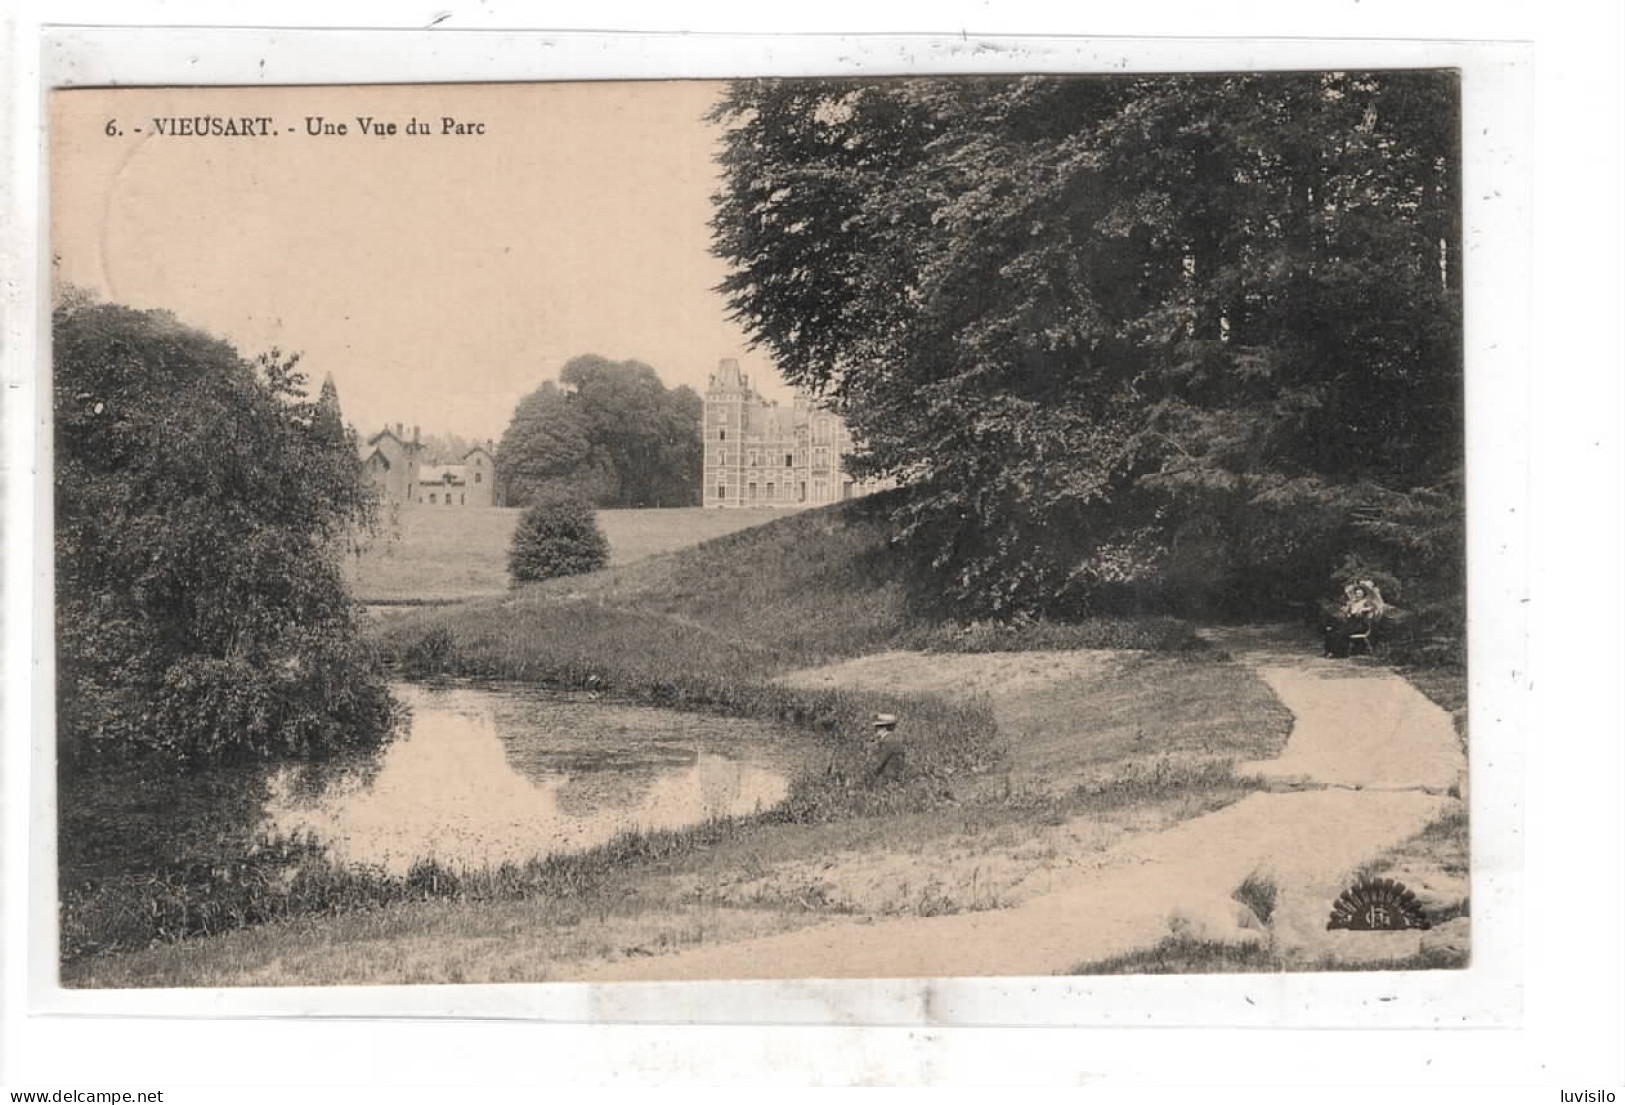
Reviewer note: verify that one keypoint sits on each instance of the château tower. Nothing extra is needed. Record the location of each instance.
(758, 453)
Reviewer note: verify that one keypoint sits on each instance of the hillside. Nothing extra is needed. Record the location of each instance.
(805, 588)
(818, 583)
(448, 555)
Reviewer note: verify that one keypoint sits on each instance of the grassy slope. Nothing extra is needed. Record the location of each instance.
(804, 589)
(445, 555)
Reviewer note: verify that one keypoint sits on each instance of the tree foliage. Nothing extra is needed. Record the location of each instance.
(1151, 339)
(612, 434)
(202, 503)
(446, 448)
(559, 536)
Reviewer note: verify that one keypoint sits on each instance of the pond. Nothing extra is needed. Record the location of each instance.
(484, 775)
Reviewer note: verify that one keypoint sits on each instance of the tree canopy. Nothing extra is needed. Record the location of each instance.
(202, 504)
(446, 448)
(612, 434)
(1132, 336)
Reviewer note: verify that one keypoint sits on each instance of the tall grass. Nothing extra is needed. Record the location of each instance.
(1184, 955)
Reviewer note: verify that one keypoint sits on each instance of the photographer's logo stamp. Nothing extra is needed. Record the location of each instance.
(1377, 905)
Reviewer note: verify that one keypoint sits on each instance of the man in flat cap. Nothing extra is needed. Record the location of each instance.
(889, 757)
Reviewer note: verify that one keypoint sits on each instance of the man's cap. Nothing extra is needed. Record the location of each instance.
(885, 721)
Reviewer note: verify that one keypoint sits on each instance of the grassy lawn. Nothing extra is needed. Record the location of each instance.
(445, 555)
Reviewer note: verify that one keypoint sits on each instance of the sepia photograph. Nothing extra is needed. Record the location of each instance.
(800, 528)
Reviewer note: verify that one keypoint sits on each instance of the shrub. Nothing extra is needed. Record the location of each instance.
(202, 501)
(434, 653)
(1259, 893)
(557, 537)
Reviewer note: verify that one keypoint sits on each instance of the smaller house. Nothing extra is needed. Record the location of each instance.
(390, 460)
(480, 465)
(469, 484)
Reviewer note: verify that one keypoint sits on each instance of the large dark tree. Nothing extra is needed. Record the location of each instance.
(1176, 336)
(202, 503)
(613, 434)
(547, 448)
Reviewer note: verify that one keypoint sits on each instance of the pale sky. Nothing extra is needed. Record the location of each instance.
(437, 278)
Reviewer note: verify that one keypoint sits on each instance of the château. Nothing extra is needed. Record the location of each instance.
(758, 453)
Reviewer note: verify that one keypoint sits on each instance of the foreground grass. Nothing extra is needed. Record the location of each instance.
(1179, 713)
(649, 906)
(1183, 955)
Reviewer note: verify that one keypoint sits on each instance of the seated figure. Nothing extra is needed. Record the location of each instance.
(1352, 621)
(890, 756)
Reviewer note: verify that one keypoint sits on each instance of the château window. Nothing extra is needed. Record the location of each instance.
(722, 492)
(789, 460)
(432, 498)
(479, 477)
(722, 435)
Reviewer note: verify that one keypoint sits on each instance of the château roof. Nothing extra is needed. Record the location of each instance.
(729, 378)
(771, 421)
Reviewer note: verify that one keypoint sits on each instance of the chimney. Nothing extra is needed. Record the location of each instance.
(414, 435)
(400, 430)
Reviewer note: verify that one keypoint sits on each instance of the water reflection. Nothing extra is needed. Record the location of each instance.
(487, 776)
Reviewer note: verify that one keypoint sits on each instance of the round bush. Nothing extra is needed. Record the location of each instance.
(558, 537)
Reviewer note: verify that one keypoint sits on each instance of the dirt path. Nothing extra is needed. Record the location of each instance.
(1369, 763)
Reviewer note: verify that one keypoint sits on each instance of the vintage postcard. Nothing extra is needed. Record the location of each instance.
(933, 527)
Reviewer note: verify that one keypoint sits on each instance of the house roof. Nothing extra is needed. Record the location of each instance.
(453, 474)
(393, 436)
